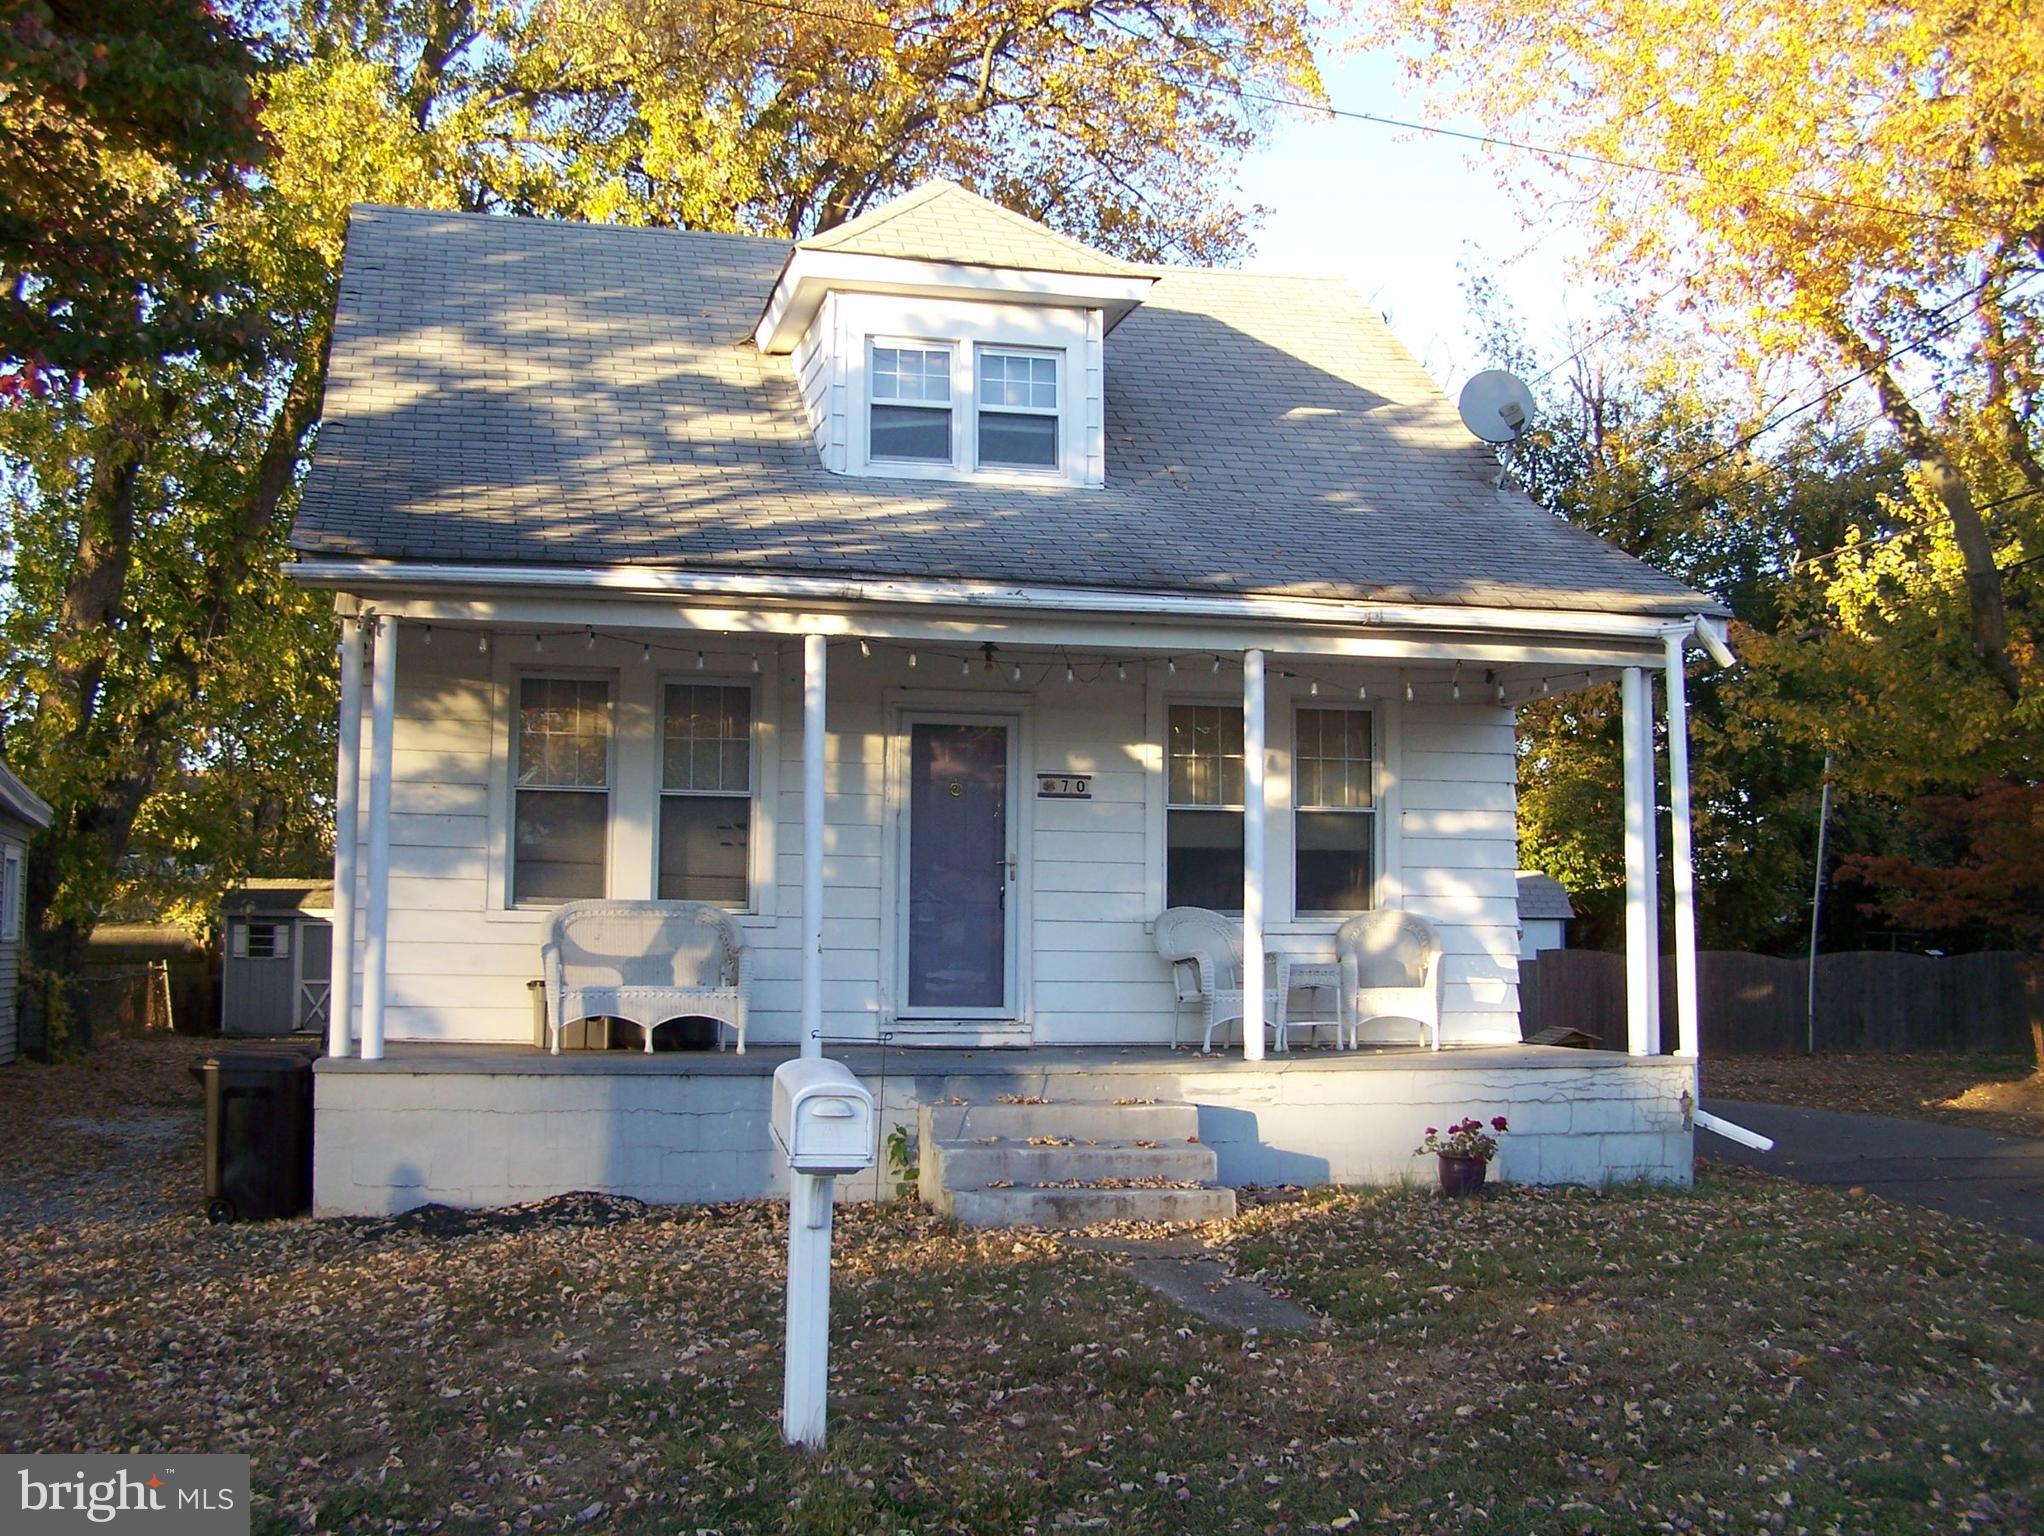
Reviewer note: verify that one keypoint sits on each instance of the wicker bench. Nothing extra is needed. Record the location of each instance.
(644, 962)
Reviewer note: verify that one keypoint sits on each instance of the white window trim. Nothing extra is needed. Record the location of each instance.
(950, 349)
(759, 871)
(1055, 470)
(1173, 700)
(1073, 336)
(11, 874)
(505, 804)
(1163, 688)
(1374, 810)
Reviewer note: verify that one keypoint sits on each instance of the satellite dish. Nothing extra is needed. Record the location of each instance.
(1496, 406)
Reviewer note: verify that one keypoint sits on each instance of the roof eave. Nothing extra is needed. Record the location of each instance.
(809, 275)
(18, 800)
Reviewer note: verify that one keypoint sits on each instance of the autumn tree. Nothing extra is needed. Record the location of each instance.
(117, 117)
(1857, 184)
(164, 684)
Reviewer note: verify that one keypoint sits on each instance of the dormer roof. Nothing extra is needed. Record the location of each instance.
(942, 221)
(941, 241)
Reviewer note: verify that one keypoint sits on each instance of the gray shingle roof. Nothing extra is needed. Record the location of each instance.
(517, 390)
(942, 221)
(1542, 897)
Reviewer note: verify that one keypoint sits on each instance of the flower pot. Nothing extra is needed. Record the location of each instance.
(1462, 1175)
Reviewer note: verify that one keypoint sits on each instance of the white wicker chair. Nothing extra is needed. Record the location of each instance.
(1205, 951)
(1390, 968)
(644, 962)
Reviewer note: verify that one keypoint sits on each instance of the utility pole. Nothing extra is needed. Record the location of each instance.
(1817, 909)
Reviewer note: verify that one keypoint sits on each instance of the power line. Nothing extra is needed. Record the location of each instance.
(1923, 526)
(1464, 135)
(1828, 393)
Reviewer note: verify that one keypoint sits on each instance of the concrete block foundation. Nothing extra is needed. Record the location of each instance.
(481, 1126)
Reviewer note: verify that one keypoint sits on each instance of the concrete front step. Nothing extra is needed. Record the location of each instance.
(1089, 1163)
(1082, 1122)
(973, 1165)
(1083, 1207)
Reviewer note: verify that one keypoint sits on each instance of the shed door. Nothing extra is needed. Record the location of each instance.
(960, 867)
(315, 972)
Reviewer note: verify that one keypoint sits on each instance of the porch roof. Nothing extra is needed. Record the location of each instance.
(516, 391)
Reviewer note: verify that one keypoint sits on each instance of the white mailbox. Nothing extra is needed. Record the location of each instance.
(823, 1117)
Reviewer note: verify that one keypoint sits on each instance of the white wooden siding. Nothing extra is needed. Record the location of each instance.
(13, 840)
(1091, 873)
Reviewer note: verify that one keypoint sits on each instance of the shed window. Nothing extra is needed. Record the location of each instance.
(1203, 834)
(909, 391)
(1334, 811)
(562, 777)
(262, 940)
(1018, 410)
(706, 794)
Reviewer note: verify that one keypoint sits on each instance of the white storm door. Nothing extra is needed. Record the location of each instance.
(957, 928)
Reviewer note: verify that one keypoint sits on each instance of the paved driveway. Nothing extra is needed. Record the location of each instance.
(1986, 1176)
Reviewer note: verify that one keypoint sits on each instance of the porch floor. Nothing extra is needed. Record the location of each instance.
(412, 1057)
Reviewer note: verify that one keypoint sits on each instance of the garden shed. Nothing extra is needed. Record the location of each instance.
(277, 970)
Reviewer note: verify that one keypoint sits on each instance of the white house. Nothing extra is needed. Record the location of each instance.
(946, 600)
(23, 813)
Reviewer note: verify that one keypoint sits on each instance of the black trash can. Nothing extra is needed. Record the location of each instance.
(258, 1131)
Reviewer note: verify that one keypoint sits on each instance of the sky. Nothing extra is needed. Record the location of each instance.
(1400, 214)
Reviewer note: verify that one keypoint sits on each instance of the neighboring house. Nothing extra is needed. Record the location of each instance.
(917, 592)
(1544, 913)
(22, 815)
(276, 972)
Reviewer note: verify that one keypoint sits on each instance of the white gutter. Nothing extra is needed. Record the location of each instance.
(656, 581)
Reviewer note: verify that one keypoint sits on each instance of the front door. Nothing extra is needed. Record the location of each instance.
(959, 928)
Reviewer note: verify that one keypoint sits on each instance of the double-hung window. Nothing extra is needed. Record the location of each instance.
(1334, 817)
(1203, 807)
(706, 794)
(561, 814)
(910, 405)
(1018, 409)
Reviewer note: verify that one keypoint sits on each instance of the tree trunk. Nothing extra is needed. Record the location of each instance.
(1983, 578)
(78, 858)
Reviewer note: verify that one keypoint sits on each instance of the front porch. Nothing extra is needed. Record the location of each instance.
(483, 1125)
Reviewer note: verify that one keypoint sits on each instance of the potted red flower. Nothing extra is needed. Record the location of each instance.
(1464, 1151)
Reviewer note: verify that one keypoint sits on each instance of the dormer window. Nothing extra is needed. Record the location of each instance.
(1018, 409)
(911, 404)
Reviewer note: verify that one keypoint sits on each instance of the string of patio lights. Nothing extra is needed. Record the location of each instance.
(992, 660)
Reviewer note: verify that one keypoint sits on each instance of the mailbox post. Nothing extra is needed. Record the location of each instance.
(823, 1121)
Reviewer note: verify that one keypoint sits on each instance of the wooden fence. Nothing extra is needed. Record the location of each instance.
(1870, 1001)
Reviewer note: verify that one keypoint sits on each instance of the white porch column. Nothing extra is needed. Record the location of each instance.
(340, 995)
(1252, 856)
(813, 667)
(1653, 857)
(382, 713)
(1640, 959)
(1688, 1036)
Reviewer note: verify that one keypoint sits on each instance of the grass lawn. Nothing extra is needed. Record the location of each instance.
(1752, 1356)
(1990, 1093)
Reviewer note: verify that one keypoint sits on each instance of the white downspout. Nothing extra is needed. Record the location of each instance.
(1252, 855)
(347, 779)
(814, 664)
(382, 710)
